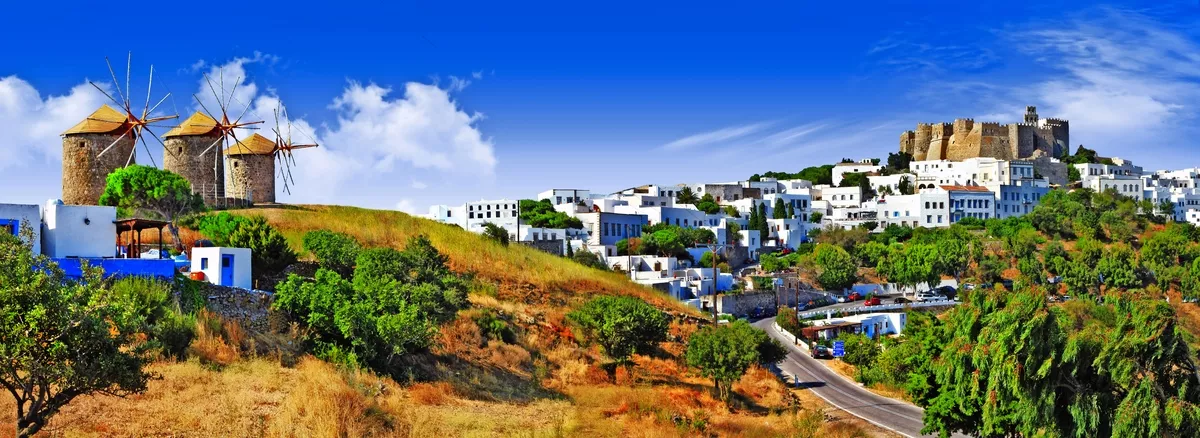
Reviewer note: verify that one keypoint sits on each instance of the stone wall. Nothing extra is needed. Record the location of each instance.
(206, 174)
(251, 178)
(731, 192)
(743, 304)
(554, 246)
(965, 138)
(251, 309)
(1054, 170)
(84, 171)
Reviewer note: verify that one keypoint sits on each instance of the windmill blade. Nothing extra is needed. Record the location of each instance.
(114, 143)
(128, 94)
(160, 102)
(116, 82)
(164, 145)
(239, 118)
(209, 148)
(105, 93)
(149, 86)
(232, 89)
(148, 153)
(214, 92)
(132, 152)
(206, 111)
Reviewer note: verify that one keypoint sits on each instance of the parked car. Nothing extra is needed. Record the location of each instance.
(930, 296)
(854, 296)
(841, 299)
(873, 301)
(822, 352)
(901, 300)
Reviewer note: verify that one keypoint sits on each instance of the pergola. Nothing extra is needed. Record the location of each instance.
(135, 227)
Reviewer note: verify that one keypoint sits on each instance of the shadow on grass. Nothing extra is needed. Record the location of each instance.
(473, 381)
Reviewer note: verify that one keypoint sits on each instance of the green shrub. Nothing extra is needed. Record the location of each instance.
(191, 294)
(588, 258)
(270, 252)
(724, 353)
(621, 325)
(174, 333)
(495, 328)
(496, 233)
(392, 306)
(141, 300)
(336, 251)
(216, 228)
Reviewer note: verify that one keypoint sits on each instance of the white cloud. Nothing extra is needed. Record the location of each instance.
(375, 137)
(32, 124)
(425, 129)
(407, 206)
(477, 74)
(458, 84)
(714, 137)
(1122, 77)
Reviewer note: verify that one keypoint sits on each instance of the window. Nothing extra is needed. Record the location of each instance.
(449, 213)
(470, 215)
(203, 263)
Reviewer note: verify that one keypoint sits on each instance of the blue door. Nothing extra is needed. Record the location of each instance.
(227, 269)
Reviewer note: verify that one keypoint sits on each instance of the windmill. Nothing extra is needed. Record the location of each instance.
(134, 124)
(284, 147)
(222, 126)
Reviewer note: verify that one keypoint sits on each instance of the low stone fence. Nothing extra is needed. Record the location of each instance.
(250, 308)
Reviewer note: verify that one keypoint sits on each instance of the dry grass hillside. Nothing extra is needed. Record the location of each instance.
(541, 384)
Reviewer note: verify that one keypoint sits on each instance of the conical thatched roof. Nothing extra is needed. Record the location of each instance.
(102, 121)
(197, 124)
(255, 145)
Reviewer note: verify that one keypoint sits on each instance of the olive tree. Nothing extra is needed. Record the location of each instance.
(148, 190)
(61, 338)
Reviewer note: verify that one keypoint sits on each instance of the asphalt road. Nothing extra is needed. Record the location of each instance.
(891, 414)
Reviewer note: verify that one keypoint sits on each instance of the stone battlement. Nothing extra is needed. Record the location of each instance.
(965, 138)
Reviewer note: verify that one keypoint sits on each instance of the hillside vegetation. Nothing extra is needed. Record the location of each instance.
(511, 363)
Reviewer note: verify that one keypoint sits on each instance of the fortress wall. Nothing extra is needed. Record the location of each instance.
(906, 141)
(994, 141)
(1022, 139)
(939, 141)
(921, 141)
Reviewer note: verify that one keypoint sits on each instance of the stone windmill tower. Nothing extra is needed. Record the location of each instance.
(182, 147)
(84, 166)
(251, 177)
(106, 140)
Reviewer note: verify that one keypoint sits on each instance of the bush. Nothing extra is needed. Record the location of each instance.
(495, 328)
(590, 259)
(724, 353)
(175, 333)
(270, 252)
(787, 320)
(191, 294)
(496, 233)
(335, 251)
(621, 325)
(216, 228)
(393, 305)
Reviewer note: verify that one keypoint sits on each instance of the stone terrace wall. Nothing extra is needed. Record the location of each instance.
(550, 246)
(251, 309)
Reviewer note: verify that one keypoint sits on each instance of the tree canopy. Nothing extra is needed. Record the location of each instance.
(541, 214)
(62, 338)
(393, 305)
(621, 325)
(725, 352)
(150, 191)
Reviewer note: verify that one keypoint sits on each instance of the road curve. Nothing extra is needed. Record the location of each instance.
(895, 415)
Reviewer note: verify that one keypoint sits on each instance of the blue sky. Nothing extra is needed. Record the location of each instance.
(432, 102)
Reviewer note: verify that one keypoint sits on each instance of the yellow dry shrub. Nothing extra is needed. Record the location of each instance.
(330, 403)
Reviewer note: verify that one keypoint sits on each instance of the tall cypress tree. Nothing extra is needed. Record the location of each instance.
(791, 214)
(780, 209)
(763, 225)
(753, 222)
